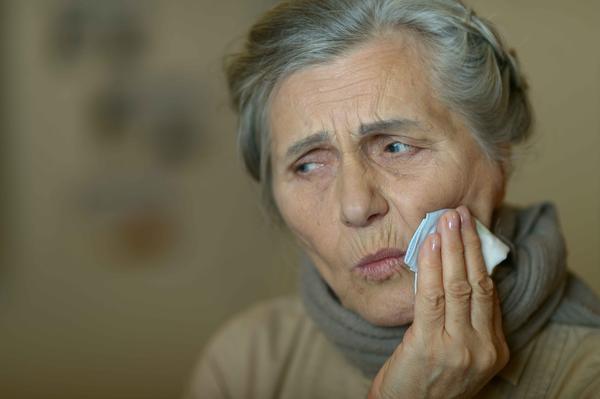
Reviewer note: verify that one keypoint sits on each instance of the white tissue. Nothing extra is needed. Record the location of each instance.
(494, 251)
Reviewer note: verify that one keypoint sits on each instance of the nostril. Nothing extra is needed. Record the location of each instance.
(360, 219)
(374, 217)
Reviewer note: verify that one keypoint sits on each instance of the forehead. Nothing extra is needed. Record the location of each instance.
(366, 69)
(384, 78)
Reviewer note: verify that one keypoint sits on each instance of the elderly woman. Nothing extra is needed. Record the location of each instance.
(359, 117)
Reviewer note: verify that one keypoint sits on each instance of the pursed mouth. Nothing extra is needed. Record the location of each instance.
(381, 265)
(381, 255)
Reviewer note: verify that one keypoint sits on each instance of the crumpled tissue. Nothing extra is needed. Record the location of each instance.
(493, 249)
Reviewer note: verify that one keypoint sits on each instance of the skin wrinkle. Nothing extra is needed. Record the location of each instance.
(381, 90)
(324, 102)
(384, 196)
(340, 74)
(334, 90)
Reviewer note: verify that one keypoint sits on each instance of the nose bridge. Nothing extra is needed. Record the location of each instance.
(361, 200)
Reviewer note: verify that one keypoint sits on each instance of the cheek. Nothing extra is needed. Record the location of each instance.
(305, 215)
(430, 189)
(477, 186)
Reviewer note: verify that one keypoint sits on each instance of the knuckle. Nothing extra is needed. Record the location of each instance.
(503, 354)
(459, 290)
(484, 287)
(473, 241)
(456, 247)
(435, 299)
(461, 359)
(489, 358)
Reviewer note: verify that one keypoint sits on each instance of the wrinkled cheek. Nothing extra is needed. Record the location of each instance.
(305, 209)
(318, 238)
(444, 195)
(416, 198)
(305, 224)
(304, 234)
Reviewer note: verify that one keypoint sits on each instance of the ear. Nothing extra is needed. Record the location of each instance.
(506, 161)
(505, 169)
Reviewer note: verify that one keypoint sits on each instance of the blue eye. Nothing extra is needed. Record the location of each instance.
(397, 147)
(306, 167)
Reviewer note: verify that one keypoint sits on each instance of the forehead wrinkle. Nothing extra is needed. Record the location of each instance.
(334, 127)
(387, 76)
(344, 66)
(344, 92)
(371, 97)
(366, 86)
(366, 80)
(322, 102)
(372, 88)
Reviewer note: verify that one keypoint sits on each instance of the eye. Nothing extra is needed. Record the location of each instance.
(314, 162)
(386, 148)
(398, 147)
(306, 167)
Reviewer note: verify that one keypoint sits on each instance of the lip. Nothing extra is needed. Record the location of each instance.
(380, 265)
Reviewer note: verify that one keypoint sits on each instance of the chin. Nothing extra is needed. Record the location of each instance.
(388, 304)
(387, 317)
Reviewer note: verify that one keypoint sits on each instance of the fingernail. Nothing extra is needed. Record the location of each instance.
(453, 221)
(435, 242)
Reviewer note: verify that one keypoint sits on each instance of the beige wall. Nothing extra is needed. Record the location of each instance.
(558, 45)
(78, 318)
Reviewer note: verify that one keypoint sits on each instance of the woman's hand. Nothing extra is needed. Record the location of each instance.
(456, 343)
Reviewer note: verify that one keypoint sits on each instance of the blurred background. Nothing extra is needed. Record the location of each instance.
(129, 231)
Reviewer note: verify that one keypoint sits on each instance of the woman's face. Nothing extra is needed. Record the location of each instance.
(361, 150)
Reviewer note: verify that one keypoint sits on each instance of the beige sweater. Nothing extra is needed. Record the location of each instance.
(274, 350)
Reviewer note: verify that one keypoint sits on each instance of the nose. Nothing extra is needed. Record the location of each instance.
(361, 201)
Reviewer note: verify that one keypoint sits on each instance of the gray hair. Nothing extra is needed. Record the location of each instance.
(471, 70)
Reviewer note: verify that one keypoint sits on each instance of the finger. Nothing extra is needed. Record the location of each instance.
(456, 286)
(429, 302)
(501, 344)
(482, 285)
(497, 318)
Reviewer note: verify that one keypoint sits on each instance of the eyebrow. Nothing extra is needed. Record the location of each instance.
(365, 129)
(387, 125)
(306, 143)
